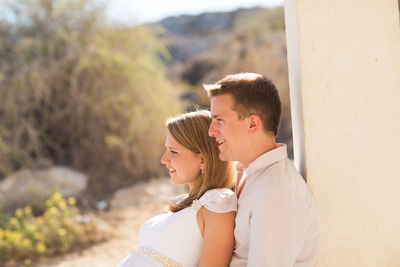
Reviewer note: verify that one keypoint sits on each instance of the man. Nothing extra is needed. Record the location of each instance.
(276, 222)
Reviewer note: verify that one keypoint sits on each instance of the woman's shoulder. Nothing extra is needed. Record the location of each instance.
(219, 200)
(219, 193)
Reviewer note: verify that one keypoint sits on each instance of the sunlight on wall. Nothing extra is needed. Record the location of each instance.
(344, 70)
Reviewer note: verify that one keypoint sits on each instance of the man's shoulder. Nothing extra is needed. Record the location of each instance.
(276, 173)
(281, 176)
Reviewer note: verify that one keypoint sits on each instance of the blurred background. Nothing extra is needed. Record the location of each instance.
(85, 88)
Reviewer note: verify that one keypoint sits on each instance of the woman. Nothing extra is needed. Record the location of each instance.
(198, 229)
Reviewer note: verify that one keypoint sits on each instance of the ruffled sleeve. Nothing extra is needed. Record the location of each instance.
(219, 200)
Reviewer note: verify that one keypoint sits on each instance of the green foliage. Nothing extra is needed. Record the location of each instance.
(60, 229)
(79, 92)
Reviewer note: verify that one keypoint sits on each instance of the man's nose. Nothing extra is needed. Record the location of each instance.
(212, 129)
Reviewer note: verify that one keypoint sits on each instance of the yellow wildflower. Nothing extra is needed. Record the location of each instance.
(49, 203)
(40, 247)
(61, 232)
(19, 213)
(62, 205)
(7, 233)
(51, 212)
(15, 237)
(28, 261)
(57, 196)
(72, 201)
(38, 236)
(28, 210)
(14, 221)
(26, 242)
(30, 227)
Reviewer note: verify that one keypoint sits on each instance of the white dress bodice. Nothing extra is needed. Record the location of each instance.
(174, 239)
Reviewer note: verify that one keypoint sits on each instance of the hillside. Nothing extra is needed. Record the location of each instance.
(207, 47)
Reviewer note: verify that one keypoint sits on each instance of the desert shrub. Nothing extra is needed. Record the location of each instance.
(58, 230)
(80, 92)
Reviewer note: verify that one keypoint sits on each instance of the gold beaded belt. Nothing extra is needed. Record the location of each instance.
(158, 257)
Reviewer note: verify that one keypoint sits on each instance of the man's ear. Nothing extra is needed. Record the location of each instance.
(254, 123)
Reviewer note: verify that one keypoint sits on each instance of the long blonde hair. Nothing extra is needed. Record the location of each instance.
(191, 131)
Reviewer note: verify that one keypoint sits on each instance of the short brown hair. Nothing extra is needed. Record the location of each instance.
(191, 131)
(252, 94)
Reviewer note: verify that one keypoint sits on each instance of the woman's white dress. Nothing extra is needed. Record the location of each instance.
(174, 239)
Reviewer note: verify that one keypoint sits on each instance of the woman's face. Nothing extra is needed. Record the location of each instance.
(183, 165)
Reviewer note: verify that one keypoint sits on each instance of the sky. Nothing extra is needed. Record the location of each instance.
(143, 11)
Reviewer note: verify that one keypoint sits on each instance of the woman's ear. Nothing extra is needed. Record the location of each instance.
(202, 165)
(201, 161)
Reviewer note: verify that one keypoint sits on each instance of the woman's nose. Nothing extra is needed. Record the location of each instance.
(164, 158)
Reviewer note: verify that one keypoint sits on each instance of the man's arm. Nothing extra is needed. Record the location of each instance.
(278, 228)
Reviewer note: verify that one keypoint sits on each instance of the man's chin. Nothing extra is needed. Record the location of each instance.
(223, 157)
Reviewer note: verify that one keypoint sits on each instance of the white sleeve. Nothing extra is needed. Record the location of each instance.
(219, 200)
(278, 228)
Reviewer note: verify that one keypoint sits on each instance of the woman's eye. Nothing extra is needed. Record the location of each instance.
(174, 152)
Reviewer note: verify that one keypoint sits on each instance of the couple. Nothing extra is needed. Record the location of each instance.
(271, 219)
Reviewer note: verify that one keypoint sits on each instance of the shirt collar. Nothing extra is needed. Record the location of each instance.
(267, 159)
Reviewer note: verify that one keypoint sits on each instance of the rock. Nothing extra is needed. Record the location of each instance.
(27, 186)
(158, 190)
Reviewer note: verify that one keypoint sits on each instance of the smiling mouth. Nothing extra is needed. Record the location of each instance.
(171, 171)
(220, 143)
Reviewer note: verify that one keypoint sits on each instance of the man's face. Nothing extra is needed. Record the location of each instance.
(229, 131)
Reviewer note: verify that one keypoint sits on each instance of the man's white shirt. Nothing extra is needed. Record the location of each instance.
(276, 221)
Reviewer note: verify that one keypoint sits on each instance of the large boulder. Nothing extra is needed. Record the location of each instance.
(28, 186)
(158, 190)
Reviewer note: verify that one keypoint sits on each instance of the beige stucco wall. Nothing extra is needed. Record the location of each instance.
(344, 69)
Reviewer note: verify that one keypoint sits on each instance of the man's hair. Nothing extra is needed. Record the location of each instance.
(191, 131)
(252, 94)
